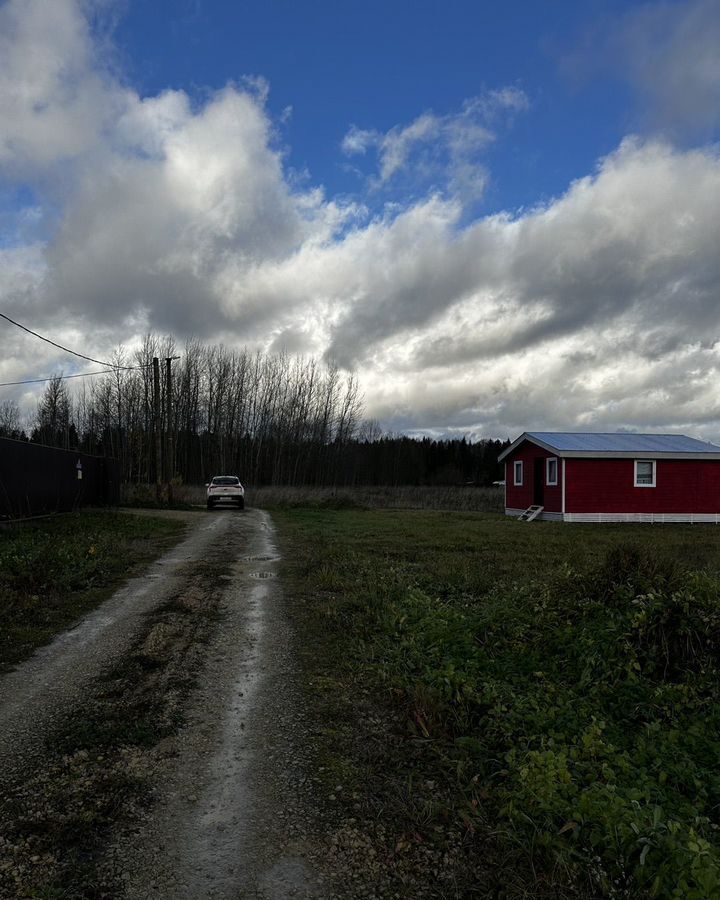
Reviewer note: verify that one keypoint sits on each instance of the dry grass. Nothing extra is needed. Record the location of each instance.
(465, 499)
(145, 495)
(475, 499)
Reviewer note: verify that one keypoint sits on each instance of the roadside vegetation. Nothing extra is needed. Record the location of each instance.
(535, 709)
(479, 499)
(95, 770)
(268, 418)
(450, 497)
(53, 571)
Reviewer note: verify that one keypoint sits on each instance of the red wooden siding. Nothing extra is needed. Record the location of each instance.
(522, 497)
(607, 486)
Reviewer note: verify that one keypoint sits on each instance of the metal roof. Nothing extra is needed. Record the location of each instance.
(571, 443)
(627, 443)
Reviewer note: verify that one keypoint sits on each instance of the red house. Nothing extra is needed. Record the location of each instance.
(572, 477)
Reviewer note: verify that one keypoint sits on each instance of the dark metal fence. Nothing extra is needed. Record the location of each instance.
(35, 479)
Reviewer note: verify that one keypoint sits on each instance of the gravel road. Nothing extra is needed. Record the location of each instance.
(224, 812)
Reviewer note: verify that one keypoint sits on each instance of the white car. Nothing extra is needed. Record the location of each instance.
(225, 489)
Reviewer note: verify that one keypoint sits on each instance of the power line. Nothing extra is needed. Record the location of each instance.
(100, 362)
(63, 377)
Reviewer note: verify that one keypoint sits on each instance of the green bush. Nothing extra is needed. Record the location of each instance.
(587, 710)
(559, 685)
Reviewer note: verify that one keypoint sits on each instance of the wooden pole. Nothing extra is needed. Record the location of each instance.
(169, 439)
(158, 437)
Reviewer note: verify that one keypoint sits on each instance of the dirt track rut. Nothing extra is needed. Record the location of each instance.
(201, 636)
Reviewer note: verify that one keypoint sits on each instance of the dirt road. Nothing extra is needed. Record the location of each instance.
(210, 809)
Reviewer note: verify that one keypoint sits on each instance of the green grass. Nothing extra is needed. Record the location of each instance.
(95, 772)
(449, 497)
(55, 570)
(559, 686)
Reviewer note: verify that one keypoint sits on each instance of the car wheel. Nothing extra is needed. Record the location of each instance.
(241, 503)
(210, 504)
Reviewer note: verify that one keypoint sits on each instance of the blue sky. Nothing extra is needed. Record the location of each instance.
(499, 217)
(377, 64)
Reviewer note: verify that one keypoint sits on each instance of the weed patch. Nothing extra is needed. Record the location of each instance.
(97, 765)
(488, 499)
(553, 692)
(55, 570)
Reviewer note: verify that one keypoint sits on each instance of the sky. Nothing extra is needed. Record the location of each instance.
(501, 217)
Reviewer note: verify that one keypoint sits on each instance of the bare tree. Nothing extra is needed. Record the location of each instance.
(272, 418)
(52, 425)
(10, 419)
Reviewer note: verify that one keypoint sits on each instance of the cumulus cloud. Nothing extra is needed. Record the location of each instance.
(156, 231)
(434, 147)
(671, 51)
(155, 201)
(619, 275)
(668, 53)
(55, 101)
(618, 243)
(598, 309)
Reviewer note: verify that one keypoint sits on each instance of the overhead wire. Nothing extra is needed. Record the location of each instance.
(78, 375)
(100, 362)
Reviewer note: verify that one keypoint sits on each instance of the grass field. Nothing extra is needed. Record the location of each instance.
(549, 693)
(53, 571)
(186, 496)
(477, 499)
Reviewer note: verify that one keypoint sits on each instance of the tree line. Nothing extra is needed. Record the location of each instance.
(272, 419)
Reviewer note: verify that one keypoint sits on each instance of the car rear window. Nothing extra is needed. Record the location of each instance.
(226, 479)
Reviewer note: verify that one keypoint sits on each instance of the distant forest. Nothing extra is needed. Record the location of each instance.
(271, 419)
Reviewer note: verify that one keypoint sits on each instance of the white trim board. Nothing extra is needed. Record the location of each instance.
(600, 518)
(646, 518)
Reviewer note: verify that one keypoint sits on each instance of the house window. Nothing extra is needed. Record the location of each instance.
(645, 472)
(518, 473)
(551, 470)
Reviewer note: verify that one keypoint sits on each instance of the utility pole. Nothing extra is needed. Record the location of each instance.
(169, 438)
(158, 438)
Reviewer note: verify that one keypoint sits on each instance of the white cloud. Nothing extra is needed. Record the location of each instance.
(668, 53)
(54, 101)
(439, 148)
(598, 309)
(671, 52)
(358, 140)
(623, 267)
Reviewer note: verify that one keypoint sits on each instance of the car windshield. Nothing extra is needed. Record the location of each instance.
(226, 479)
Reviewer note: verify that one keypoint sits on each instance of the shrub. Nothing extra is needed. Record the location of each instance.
(589, 711)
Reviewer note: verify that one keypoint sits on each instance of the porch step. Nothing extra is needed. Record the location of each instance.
(530, 513)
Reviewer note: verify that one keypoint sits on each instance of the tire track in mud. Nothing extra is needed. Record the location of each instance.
(86, 764)
(150, 751)
(94, 764)
(219, 826)
(56, 676)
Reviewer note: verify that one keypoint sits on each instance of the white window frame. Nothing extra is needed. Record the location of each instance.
(518, 470)
(653, 463)
(548, 482)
